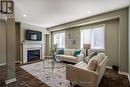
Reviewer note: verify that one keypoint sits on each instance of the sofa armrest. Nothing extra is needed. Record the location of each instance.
(81, 76)
(80, 57)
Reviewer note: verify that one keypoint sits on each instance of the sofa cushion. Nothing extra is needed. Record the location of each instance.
(68, 58)
(67, 51)
(72, 51)
(100, 57)
(92, 64)
(81, 65)
(77, 52)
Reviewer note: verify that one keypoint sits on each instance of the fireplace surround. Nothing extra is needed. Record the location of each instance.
(32, 52)
(33, 55)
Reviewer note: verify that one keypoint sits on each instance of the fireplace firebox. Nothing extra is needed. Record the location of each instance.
(33, 55)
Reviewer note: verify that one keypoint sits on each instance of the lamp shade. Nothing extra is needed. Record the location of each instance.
(86, 46)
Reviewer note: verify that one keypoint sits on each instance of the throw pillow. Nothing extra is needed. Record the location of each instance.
(77, 52)
(92, 64)
(60, 51)
(100, 57)
(92, 54)
(86, 59)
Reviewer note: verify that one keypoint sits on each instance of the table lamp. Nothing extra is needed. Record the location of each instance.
(86, 46)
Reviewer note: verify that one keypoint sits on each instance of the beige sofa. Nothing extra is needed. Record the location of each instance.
(81, 75)
(68, 56)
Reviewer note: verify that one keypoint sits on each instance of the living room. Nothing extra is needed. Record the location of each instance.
(55, 44)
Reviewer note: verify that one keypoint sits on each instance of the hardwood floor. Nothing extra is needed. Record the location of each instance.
(113, 79)
(24, 79)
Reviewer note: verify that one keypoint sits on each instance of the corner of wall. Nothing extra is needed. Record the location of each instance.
(129, 42)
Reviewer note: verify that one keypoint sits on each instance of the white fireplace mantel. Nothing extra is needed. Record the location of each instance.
(31, 46)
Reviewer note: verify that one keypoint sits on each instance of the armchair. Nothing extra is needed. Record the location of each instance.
(79, 74)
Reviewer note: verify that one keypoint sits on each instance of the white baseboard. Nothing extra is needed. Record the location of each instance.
(10, 81)
(123, 73)
(109, 67)
(2, 64)
(128, 77)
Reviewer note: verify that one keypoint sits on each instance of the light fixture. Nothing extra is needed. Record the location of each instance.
(89, 12)
(24, 15)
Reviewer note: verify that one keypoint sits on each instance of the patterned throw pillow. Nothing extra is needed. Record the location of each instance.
(86, 59)
(92, 64)
(93, 54)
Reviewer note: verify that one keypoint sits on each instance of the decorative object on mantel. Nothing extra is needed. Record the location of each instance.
(86, 46)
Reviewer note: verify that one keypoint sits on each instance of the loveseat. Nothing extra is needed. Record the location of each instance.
(83, 75)
(68, 56)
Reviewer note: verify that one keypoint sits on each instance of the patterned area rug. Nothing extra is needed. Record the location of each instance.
(55, 78)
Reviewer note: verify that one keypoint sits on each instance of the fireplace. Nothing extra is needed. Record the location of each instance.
(32, 52)
(33, 55)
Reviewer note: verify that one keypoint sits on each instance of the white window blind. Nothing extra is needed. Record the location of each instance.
(93, 36)
(59, 39)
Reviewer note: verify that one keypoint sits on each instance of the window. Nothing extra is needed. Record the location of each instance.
(93, 36)
(59, 39)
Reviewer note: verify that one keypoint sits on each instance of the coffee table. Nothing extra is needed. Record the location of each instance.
(50, 62)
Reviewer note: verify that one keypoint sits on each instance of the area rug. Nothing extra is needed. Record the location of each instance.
(55, 78)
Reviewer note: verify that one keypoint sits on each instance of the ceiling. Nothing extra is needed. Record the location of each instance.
(48, 13)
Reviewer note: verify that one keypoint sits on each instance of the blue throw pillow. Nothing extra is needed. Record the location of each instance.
(60, 51)
(77, 52)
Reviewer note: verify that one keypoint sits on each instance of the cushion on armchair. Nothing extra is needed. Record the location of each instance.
(100, 57)
(94, 61)
(92, 64)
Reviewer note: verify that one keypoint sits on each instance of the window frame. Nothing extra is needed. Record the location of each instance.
(91, 27)
(59, 33)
